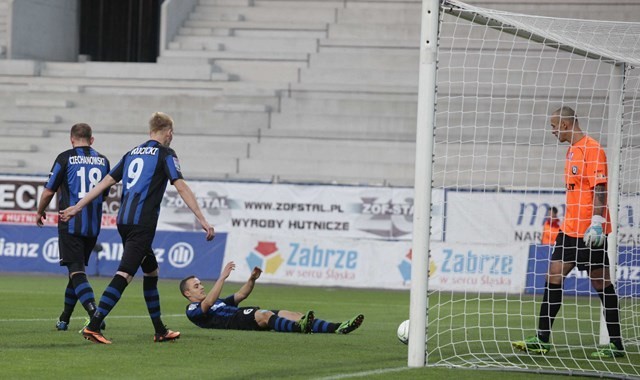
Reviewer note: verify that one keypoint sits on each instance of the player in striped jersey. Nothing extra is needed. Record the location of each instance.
(207, 310)
(74, 173)
(144, 172)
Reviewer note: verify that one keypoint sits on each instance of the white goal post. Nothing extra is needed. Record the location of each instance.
(489, 81)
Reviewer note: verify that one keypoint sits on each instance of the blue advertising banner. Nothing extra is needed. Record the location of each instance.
(179, 254)
(578, 282)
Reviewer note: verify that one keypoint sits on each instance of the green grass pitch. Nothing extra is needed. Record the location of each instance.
(30, 347)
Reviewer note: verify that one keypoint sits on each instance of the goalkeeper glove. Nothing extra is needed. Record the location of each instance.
(594, 236)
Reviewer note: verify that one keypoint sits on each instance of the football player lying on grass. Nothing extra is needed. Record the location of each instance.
(212, 312)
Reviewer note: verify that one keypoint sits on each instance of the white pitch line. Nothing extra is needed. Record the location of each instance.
(365, 373)
(109, 317)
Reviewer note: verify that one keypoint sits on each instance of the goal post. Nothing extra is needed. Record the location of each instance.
(423, 176)
(488, 142)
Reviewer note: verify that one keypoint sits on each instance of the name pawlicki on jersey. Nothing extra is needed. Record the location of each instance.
(148, 150)
(89, 160)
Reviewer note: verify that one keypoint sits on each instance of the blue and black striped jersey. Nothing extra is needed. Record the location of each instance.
(144, 172)
(74, 173)
(218, 315)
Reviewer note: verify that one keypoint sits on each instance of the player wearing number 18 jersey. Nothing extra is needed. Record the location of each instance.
(144, 172)
(74, 173)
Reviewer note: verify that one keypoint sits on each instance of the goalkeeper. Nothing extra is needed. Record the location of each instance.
(582, 239)
(212, 312)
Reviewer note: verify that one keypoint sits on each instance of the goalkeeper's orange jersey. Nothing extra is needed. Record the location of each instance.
(585, 167)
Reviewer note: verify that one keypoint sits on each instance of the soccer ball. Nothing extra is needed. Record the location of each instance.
(403, 332)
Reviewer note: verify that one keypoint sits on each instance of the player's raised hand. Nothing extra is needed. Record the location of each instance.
(228, 269)
(68, 213)
(255, 273)
(41, 217)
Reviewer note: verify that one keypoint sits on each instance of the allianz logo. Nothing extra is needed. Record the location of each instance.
(180, 255)
(30, 250)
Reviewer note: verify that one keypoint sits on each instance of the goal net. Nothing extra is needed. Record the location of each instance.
(499, 77)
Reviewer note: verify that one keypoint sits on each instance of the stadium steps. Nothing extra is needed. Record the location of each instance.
(225, 150)
(364, 128)
(326, 170)
(139, 71)
(359, 76)
(494, 165)
(186, 56)
(19, 67)
(186, 121)
(342, 89)
(408, 61)
(312, 5)
(44, 102)
(404, 32)
(355, 107)
(339, 149)
(293, 11)
(367, 45)
(256, 25)
(13, 165)
(393, 16)
(267, 71)
(196, 103)
(244, 44)
(17, 144)
(23, 130)
(36, 116)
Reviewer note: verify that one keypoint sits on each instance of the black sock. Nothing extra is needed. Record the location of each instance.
(282, 324)
(70, 300)
(320, 326)
(609, 300)
(108, 301)
(84, 292)
(551, 302)
(152, 299)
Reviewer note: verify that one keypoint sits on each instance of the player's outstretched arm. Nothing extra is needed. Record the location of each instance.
(100, 188)
(190, 199)
(247, 288)
(214, 293)
(45, 199)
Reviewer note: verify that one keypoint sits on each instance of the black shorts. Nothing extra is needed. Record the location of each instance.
(75, 249)
(136, 242)
(244, 319)
(571, 249)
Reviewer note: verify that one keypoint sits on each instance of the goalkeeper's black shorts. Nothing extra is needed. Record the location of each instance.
(572, 249)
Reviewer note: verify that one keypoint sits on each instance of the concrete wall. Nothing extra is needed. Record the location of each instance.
(43, 30)
(173, 15)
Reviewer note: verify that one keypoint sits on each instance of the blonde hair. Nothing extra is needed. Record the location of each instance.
(160, 121)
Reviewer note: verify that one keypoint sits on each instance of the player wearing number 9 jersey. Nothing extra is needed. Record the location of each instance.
(74, 173)
(144, 172)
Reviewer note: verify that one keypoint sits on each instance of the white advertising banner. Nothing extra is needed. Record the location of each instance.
(314, 261)
(483, 268)
(518, 216)
(362, 263)
(498, 218)
(301, 210)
